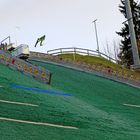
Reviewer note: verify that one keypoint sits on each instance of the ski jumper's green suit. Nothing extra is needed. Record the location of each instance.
(41, 39)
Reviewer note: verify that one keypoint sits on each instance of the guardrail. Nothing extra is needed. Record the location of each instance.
(7, 38)
(82, 51)
(5, 43)
(27, 68)
(117, 75)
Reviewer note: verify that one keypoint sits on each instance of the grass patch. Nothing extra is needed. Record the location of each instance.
(100, 61)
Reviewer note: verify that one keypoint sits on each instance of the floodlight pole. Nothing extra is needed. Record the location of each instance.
(96, 35)
(132, 35)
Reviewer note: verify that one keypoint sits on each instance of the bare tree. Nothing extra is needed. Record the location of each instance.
(107, 50)
(116, 48)
(112, 49)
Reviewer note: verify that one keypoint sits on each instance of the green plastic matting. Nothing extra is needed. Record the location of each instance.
(99, 108)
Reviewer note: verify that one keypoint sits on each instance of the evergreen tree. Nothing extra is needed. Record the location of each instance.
(125, 55)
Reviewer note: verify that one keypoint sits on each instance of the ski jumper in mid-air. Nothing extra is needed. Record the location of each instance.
(40, 40)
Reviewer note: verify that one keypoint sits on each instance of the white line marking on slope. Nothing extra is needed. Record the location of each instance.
(37, 123)
(18, 103)
(131, 105)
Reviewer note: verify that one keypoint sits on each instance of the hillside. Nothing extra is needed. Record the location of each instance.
(99, 61)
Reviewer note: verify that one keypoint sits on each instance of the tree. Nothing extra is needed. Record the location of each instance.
(116, 49)
(125, 55)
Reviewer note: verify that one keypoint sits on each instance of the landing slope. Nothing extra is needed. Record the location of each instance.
(98, 107)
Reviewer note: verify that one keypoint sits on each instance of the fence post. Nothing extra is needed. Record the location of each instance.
(61, 50)
(74, 53)
(88, 52)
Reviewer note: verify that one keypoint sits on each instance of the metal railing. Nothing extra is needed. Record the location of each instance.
(82, 51)
(7, 38)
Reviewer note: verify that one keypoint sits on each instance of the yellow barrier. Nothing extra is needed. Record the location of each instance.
(98, 69)
(120, 73)
(36, 72)
(104, 71)
(131, 77)
(31, 70)
(25, 67)
(19, 66)
(56, 58)
(93, 67)
(43, 75)
(7, 60)
(114, 72)
(125, 74)
(137, 78)
(2, 56)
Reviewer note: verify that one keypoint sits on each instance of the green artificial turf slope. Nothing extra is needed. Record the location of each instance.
(96, 107)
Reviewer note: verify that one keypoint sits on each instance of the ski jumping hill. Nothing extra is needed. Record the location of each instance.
(75, 106)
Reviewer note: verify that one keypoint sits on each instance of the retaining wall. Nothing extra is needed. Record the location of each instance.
(25, 67)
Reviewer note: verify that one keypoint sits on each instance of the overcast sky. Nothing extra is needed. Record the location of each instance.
(66, 23)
